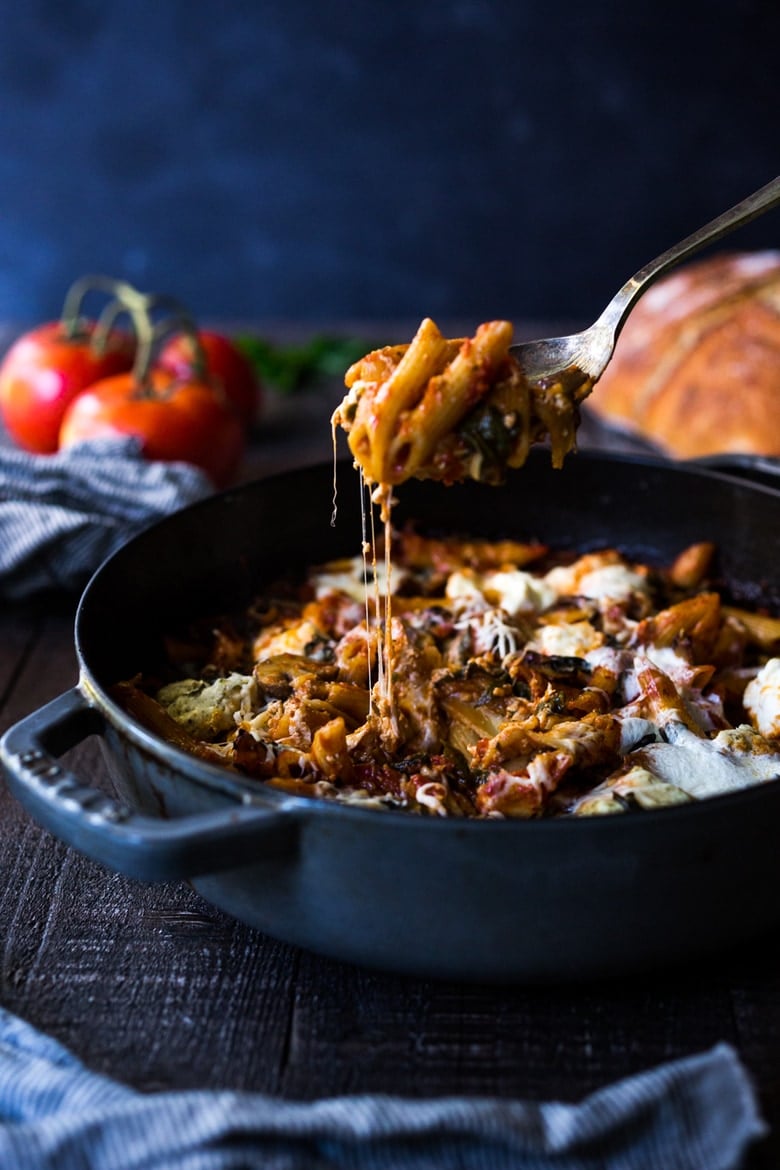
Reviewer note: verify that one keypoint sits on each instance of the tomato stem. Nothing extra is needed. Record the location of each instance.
(71, 319)
(141, 308)
(151, 335)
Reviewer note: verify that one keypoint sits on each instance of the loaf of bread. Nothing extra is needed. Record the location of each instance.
(696, 369)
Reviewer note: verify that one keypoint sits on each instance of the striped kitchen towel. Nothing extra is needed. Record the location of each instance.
(62, 515)
(698, 1113)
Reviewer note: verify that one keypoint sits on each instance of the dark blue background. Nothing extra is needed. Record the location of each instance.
(335, 159)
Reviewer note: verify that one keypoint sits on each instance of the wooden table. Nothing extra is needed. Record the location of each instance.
(154, 986)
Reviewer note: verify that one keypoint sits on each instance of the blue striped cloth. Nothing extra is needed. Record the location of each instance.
(62, 515)
(693, 1114)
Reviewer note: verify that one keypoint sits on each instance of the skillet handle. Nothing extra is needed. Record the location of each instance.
(761, 469)
(110, 832)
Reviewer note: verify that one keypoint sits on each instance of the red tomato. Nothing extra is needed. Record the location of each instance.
(43, 372)
(176, 421)
(228, 369)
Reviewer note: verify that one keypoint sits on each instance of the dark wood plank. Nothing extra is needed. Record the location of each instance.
(532, 1042)
(19, 629)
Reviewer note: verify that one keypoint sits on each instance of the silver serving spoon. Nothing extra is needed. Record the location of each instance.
(583, 357)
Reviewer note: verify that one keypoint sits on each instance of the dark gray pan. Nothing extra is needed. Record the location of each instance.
(506, 901)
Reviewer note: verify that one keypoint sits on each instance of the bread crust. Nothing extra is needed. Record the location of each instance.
(696, 369)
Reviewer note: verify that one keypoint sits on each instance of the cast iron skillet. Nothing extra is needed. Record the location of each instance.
(477, 900)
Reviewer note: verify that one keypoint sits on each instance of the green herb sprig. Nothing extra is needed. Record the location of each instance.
(291, 368)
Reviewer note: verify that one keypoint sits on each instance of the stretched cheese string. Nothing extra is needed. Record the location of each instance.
(380, 658)
(388, 620)
(382, 612)
(383, 498)
(334, 438)
(364, 547)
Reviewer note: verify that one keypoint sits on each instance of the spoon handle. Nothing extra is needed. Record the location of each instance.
(750, 208)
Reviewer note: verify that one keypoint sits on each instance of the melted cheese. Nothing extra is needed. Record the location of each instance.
(511, 590)
(762, 699)
(616, 582)
(567, 639)
(357, 579)
(636, 788)
(709, 767)
(598, 576)
(490, 632)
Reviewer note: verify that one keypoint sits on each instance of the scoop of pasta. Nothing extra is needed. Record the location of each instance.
(452, 409)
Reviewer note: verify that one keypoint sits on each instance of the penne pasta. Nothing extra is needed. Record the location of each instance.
(525, 684)
(452, 409)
